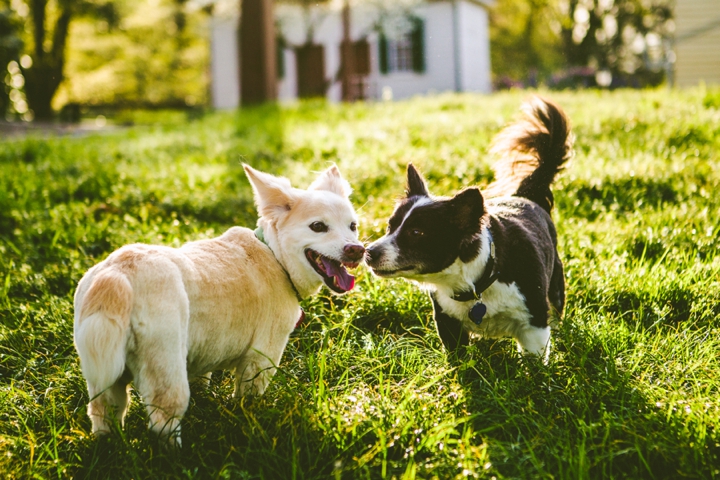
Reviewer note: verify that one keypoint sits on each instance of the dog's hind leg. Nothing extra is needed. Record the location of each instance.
(109, 404)
(158, 359)
(556, 290)
(534, 336)
(161, 380)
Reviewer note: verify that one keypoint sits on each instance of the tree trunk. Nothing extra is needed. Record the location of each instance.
(41, 83)
(43, 78)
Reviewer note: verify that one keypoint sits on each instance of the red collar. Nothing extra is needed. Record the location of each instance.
(301, 319)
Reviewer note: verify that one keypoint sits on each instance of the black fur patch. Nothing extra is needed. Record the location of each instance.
(416, 183)
(401, 209)
(526, 253)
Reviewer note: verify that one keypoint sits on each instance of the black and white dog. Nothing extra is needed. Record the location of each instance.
(491, 265)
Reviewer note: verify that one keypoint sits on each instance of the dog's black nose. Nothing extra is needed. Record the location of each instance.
(353, 251)
(372, 254)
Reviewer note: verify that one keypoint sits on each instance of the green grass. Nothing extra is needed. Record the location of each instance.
(632, 389)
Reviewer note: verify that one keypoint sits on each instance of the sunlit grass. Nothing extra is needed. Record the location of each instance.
(364, 389)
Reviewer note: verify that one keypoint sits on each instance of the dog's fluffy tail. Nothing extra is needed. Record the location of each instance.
(532, 151)
(102, 327)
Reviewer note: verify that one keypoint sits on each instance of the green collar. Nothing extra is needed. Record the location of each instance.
(261, 236)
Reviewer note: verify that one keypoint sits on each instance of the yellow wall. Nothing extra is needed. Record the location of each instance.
(698, 56)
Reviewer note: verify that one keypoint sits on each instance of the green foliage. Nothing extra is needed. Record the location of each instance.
(525, 39)
(44, 29)
(573, 39)
(119, 52)
(364, 389)
(156, 54)
(628, 38)
(10, 47)
(712, 98)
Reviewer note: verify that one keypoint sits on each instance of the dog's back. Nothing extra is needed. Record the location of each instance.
(532, 151)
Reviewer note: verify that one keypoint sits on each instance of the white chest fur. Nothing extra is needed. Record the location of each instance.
(506, 314)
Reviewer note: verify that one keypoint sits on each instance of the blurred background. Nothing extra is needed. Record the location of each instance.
(64, 60)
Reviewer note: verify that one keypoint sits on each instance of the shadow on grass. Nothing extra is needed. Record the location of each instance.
(580, 416)
(652, 309)
(247, 438)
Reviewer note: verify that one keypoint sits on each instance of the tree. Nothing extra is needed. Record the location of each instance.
(313, 14)
(156, 57)
(48, 26)
(525, 39)
(10, 47)
(622, 38)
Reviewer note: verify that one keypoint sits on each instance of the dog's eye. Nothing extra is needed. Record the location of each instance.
(353, 226)
(416, 232)
(318, 227)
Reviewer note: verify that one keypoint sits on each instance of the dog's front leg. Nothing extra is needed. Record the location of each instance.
(253, 374)
(453, 335)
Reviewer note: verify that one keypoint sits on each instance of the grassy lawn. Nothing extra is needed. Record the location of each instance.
(632, 388)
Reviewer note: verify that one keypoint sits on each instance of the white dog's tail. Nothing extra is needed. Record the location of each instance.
(102, 328)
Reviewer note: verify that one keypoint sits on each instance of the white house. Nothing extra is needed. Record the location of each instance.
(434, 46)
(697, 42)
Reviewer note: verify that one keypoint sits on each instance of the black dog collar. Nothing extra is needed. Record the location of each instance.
(486, 279)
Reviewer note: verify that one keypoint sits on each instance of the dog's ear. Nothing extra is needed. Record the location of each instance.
(273, 195)
(415, 183)
(332, 181)
(468, 208)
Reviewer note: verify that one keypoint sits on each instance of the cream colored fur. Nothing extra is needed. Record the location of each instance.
(162, 316)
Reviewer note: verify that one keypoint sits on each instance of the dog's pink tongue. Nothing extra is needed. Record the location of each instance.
(342, 277)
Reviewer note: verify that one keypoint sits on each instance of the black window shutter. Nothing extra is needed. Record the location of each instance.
(418, 45)
(383, 51)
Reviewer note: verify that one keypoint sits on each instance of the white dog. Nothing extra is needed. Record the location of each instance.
(162, 316)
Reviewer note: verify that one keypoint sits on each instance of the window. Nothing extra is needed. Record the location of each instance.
(404, 54)
(400, 54)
